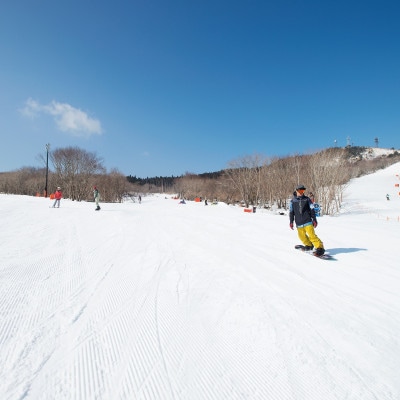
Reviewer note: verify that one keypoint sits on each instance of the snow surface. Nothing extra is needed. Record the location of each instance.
(161, 300)
(374, 152)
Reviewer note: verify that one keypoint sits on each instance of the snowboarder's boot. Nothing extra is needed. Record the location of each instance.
(308, 248)
(319, 251)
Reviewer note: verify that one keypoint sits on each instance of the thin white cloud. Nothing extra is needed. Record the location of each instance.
(68, 119)
(31, 109)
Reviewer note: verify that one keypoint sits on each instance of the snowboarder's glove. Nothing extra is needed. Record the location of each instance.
(291, 225)
(315, 223)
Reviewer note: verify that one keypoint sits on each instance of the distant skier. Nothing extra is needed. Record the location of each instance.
(58, 197)
(301, 210)
(96, 196)
(387, 197)
(140, 199)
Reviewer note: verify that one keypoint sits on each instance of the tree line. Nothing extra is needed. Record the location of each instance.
(75, 170)
(252, 180)
(259, 181)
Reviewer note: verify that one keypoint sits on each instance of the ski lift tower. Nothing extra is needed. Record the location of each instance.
(376, 140)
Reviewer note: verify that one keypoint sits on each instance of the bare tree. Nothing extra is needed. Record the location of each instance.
(328, 177)
(188, 186)
(246, 176)
(297, 164)
(73, 168)
(113, 186)
(281, 180)
(26, 181)
(226, 190)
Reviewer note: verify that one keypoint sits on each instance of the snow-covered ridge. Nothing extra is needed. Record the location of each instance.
(374, 152)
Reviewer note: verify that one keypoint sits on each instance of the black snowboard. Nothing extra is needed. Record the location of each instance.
(325, 256)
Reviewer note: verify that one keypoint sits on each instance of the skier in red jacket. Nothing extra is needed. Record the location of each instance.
(58, 197)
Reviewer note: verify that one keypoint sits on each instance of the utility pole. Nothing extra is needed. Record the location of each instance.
(47, 168)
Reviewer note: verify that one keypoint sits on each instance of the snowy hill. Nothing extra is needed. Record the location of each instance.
(370, 153)
(162, 300)
(374, 152)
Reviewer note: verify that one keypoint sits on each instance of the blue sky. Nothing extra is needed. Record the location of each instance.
(165, 87)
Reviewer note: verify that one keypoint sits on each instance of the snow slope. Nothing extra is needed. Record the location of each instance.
(167, 301)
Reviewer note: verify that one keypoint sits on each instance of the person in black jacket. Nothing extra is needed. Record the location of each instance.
(301, 211)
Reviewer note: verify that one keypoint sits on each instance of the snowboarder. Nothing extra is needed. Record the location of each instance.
(58, 197)
(301, 210)
(96, 196)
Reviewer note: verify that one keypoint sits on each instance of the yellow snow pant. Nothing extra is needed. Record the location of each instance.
(308, 237)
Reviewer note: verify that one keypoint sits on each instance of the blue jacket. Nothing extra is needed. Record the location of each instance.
(301, 210)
